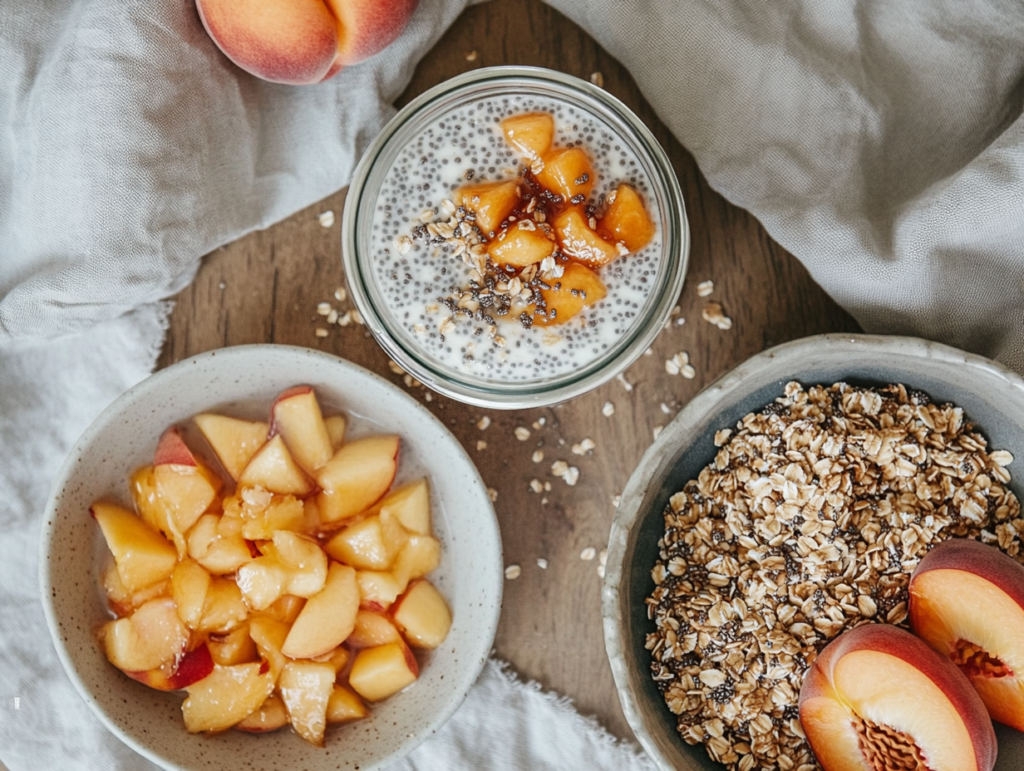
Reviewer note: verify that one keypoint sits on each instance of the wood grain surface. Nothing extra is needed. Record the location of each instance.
(265, 288)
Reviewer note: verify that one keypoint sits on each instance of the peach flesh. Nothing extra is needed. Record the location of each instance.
(956, 594)
(878, 679)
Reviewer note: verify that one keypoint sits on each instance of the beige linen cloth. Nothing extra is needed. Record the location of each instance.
(880, 141)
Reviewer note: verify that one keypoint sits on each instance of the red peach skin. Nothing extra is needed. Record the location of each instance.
(283, 41)
(367, 27)
(885, 675)
(965, 591)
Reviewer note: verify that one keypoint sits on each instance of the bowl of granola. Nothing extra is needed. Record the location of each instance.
(790, 501)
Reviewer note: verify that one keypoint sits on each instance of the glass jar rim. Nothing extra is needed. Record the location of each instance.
(541, 391)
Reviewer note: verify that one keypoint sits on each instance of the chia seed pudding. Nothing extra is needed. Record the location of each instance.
(416, 274)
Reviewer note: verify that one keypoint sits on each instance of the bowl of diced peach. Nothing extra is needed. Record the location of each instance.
(267, 553)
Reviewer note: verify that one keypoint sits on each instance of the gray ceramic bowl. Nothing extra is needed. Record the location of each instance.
(992, 396)
(243, 381)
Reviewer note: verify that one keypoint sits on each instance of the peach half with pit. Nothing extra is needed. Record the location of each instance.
(967, 602)
(302, 41)
(877, 697)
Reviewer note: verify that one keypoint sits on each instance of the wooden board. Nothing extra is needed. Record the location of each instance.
(265, 288)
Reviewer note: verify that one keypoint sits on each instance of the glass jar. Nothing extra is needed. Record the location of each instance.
(432, 146)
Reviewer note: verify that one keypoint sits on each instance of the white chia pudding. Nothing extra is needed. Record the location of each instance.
(415, 275)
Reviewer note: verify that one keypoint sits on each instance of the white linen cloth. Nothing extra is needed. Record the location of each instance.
(880, 141)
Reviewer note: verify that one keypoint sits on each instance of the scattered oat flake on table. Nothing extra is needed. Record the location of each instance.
(357, 317)
(714, 314)
(666, 409)
(538, 456)
(583, 447)
(597, 79)
(608, 409)
(332, 317)
(538, 424)
(600, 571)
(615, 500)
(675, 365)
(471, 56)
(395, 367)
(536, 486)
(483, 423)
(559, 467)
(522, 433)
(625, 383)
(657, 430)
(705, 288)
(572, 476)
(512, 572)
(481, 445)
(588, 554)
(542, 563)
(321, 332)
(492, 494)
(602, 557)
(345, 319)
(326, 218)
(323, 309)
(340, 294)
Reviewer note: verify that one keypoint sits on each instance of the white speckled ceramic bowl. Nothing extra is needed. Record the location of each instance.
(992, 397)
(243, 381)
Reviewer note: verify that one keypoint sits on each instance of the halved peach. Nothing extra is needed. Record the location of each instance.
(382, 671)
(531, 133)
(521, 244)
(423, 615)
(297, 418)
(270, 716)
(491, 202)
(580, 242)
(234, 441)
(877, 694)
(967, 602)
(568, 172)
(626, 220)
(568, 295)
(274, 469)
(356, 477)
(143, 556)
(225, 697)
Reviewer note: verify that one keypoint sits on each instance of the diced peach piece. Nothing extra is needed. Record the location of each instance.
(186, 489)
(491, 202)
(580, 242)
(577, 288)
(189, 585)
(152, 636)
(143, 556)
(262, 582)
(423, 615)
(878, 678)
(336, 425)
(119, 599)
(522, 244)
(377, 589)
(297, 418)
(305, 561)
(967, 602)
(372, 629)
(626, 220)
(369, 544)
(338, 658)
(262, 512)
(356, 477)
(273, 469)
(286, 608)
(270, 716)
(153, 509)
(567, 171)
(531, 133)
(234, 441)
(224, 609)
(283, 41)
(327, 618)
(382, 671)
(410, 505)
(306, 688)
(344, 706)
(172, 450)
(234, 647)
(420, 555)
(175, 675)
(269, 635)
(217, 545)
(225, 697)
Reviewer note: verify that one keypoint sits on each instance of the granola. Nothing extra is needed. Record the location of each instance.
(808, 522)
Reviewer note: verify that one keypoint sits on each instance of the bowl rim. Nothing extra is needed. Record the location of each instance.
(470, 671)
(630, 511)
(510, 395)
